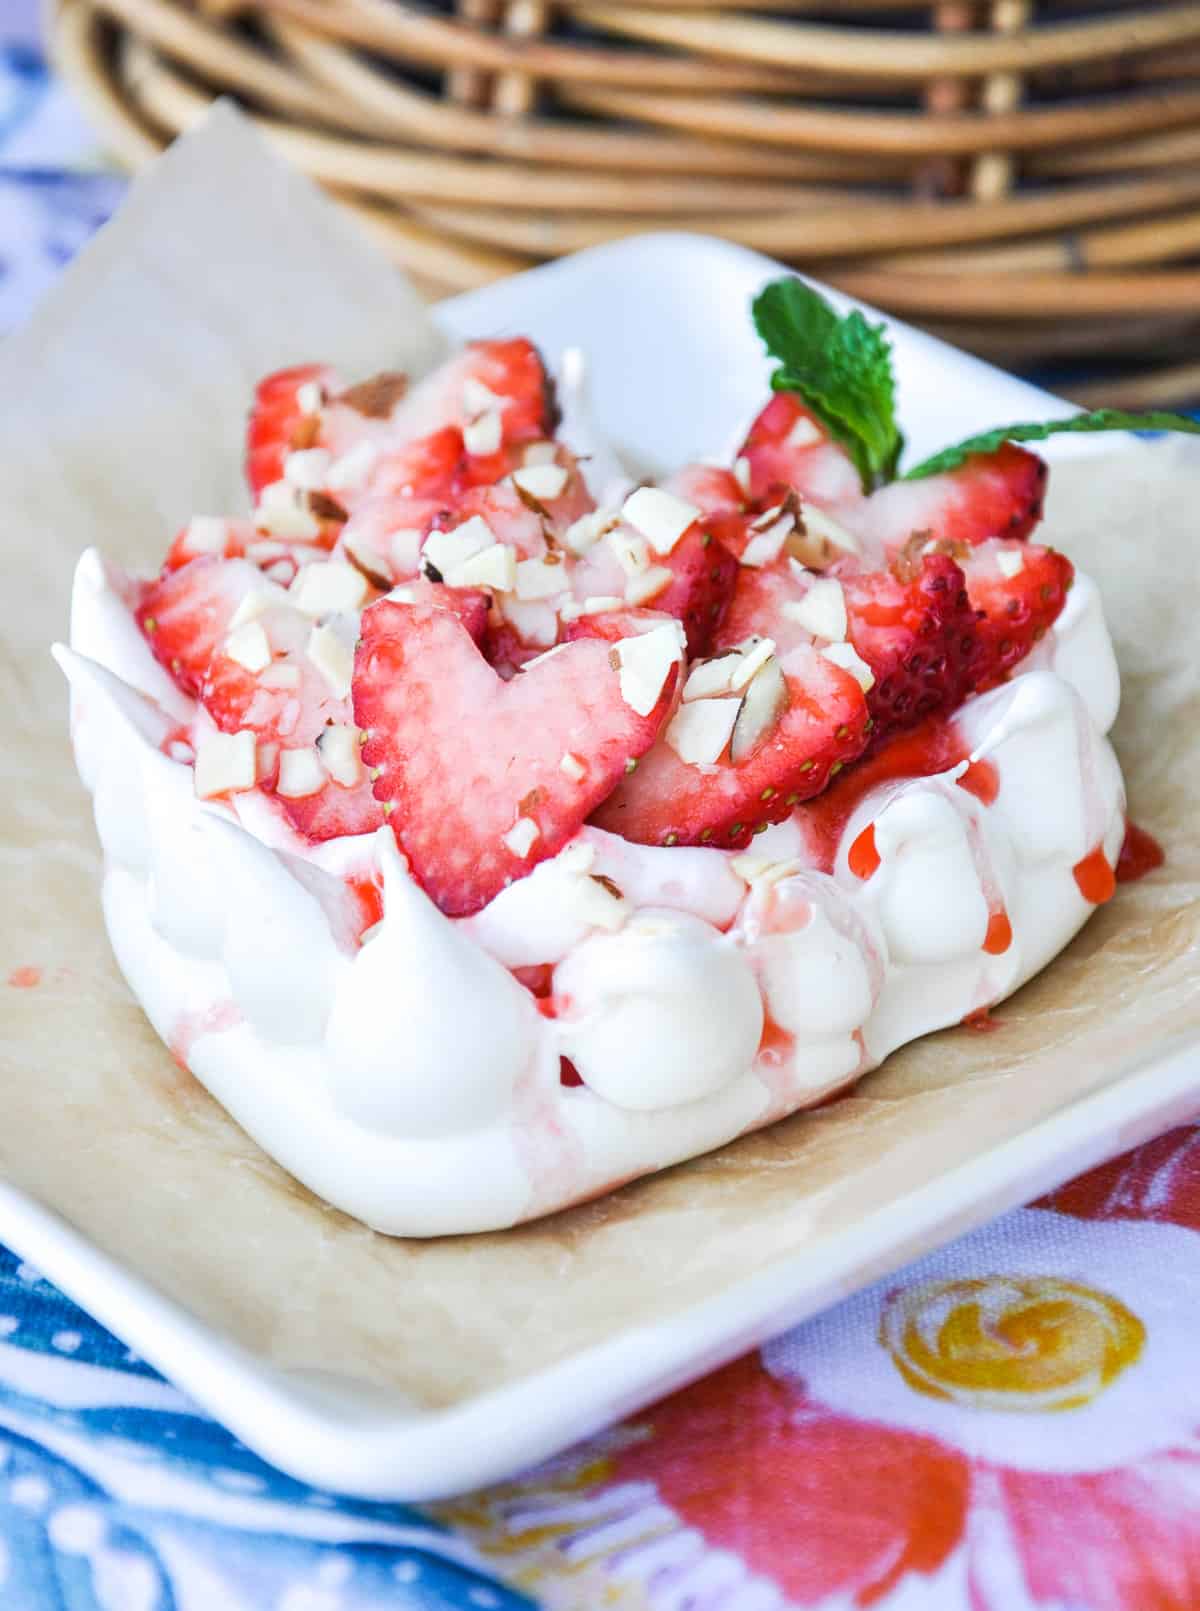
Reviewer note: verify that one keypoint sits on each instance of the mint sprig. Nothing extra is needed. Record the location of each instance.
(840, 366)
(1100, 419)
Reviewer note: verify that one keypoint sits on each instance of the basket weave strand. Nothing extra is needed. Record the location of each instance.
(1024, 176)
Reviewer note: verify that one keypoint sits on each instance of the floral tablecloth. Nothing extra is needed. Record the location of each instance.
(1013, 1423)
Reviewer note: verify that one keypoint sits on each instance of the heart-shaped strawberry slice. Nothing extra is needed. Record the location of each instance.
(482, 778)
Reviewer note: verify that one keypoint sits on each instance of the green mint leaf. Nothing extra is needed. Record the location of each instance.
(841, 367)
(1101, 419)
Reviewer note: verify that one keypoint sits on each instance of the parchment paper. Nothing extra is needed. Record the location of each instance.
(120, 411)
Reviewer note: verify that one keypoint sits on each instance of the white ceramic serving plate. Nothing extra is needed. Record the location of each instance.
(643, 310)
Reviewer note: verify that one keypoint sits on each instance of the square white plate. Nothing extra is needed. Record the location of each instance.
(643, 310)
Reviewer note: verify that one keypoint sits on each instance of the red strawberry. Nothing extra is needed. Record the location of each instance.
(713, 491)
(289, 702)
(787, 446)
(277, 417)
(612, 625)
(820, 725)
(915, 631)
(224, 538)
(1013, 612)
(704, 573)
(482, 778)
(510, 370)
(996, 494)
(334, 812)
(184, 613)
(918, 637)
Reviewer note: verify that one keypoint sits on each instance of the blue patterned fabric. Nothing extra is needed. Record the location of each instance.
(117, 1494)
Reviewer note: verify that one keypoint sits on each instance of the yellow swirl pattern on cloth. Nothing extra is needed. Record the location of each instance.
(1024, 1343)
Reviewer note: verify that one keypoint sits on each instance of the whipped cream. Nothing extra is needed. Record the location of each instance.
(406, 1074)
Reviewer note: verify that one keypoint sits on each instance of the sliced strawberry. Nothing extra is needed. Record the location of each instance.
(335, 812)
(184, 613)
(1013, 611)
(699, 594)
(713, 491)
(917, 636)
(787, 446)
(996, 494)
(429, 467)
(276, 421)
(482, 778)
(512, 371)
(820, 725)
(209, 535)
(289, 701)
(613, 625)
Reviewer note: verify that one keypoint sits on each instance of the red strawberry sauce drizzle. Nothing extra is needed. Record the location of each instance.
(935, 746)
(189, 1028)
(370, 900)
(1095, 877)
(777, 1044)
(1140, 854)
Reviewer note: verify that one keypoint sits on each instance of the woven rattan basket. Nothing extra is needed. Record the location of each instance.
(1024, 178)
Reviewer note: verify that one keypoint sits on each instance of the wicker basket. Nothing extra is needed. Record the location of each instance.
(1023, 178)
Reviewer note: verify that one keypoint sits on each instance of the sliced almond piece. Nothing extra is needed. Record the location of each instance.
(645, 662)
(848, 657)
(632, 553)
(804, 433)
(540, 579)
(205, 534)
(226, 763)
(333, 658)
(404, 549)
(542, 481)
(311, 397)
(281, 514)
(491, 567)
(249, 646)
(700, 731)
(820, 524)
(540, 453)
(822, 610)
(280, 675)
(753, 658)
(307, 468)
(478, 399)
(444, 550)
(482, 436)
(659, 516)
(328, 587)
(581, 534)
(341, 755)
(1011, 561)
(741, 473)
(570, 764)
(300, 773)
(521, 837)
(641, 589)
(367, 561)
(758, 870)
(765, 547)
(597, 901)
(536, 623)
(762, 702)
(708, 677)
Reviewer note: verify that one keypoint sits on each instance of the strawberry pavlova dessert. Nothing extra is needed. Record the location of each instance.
(484, 830)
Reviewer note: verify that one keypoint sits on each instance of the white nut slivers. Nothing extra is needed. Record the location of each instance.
(632, 1027)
